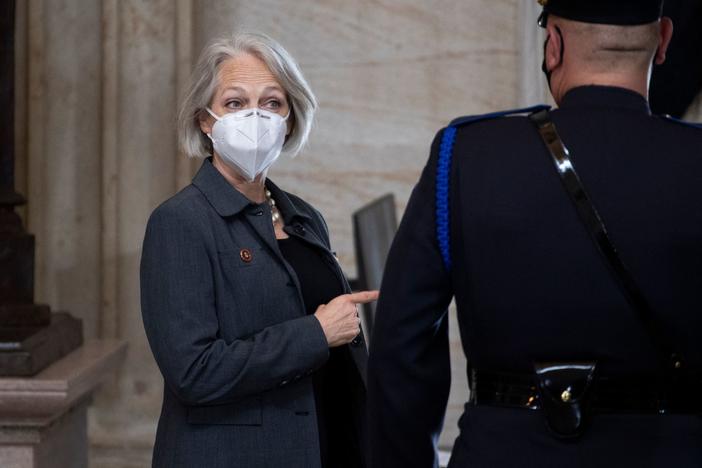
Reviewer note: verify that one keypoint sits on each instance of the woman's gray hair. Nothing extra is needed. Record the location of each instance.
(204, 81)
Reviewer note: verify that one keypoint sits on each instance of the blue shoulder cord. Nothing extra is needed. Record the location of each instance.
(443, 183)
(443, 172)
(443, 175)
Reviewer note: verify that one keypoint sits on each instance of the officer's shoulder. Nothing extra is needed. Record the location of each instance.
(494, 117)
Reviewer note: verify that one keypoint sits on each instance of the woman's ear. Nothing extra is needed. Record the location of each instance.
(206, 122)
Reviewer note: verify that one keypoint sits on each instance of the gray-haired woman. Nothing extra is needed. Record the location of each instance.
(249, 316)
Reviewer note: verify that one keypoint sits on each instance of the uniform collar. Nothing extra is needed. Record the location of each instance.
(605, 97)
(228, 201)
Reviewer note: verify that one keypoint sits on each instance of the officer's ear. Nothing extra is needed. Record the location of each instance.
(553, 53)
(665, 35)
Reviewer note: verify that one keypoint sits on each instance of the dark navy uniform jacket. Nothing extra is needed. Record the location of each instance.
(529, 285)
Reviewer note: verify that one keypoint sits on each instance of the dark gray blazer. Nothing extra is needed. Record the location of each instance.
(230, 336)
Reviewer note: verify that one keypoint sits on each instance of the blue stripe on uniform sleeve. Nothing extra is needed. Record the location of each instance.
(443, 173)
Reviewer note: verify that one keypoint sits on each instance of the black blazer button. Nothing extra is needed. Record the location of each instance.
(300, 229)
(357, 341)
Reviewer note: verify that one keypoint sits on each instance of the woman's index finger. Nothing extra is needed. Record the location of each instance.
(363, 297)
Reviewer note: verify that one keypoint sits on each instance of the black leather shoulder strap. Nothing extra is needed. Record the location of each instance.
(596, 228)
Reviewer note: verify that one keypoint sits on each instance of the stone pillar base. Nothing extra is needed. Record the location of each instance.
(63, 443)
(43, 419)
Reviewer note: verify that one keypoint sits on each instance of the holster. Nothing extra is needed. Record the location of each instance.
(565, 394)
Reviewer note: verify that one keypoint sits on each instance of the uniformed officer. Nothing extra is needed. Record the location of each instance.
(584, 343)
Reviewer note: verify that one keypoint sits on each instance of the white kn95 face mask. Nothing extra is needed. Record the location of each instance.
(249, 140)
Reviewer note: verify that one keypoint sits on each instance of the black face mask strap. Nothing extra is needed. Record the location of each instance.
(543, 20)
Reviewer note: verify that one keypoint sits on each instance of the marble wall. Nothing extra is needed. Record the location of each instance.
(98, 87)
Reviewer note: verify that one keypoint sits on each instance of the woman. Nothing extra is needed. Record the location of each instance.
(248, 314)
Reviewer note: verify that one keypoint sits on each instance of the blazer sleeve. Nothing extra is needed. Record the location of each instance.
(409, 367)
(178, 309)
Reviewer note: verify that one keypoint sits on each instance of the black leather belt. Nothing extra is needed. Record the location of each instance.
(608, 395)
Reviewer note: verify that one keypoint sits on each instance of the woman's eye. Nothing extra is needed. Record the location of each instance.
(233, 104)
(273, 104)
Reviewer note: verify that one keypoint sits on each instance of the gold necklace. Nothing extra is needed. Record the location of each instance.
(275, 212)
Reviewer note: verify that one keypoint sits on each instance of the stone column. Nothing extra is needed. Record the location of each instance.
(30, 337)
(98, 153)
(63, 159)
(145, 58)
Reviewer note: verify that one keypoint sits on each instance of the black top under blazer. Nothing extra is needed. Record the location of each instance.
(225, 318)
(529, 286)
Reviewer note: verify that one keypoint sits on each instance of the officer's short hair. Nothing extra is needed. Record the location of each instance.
(619, 38)
(611, 47)
(204, 81)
